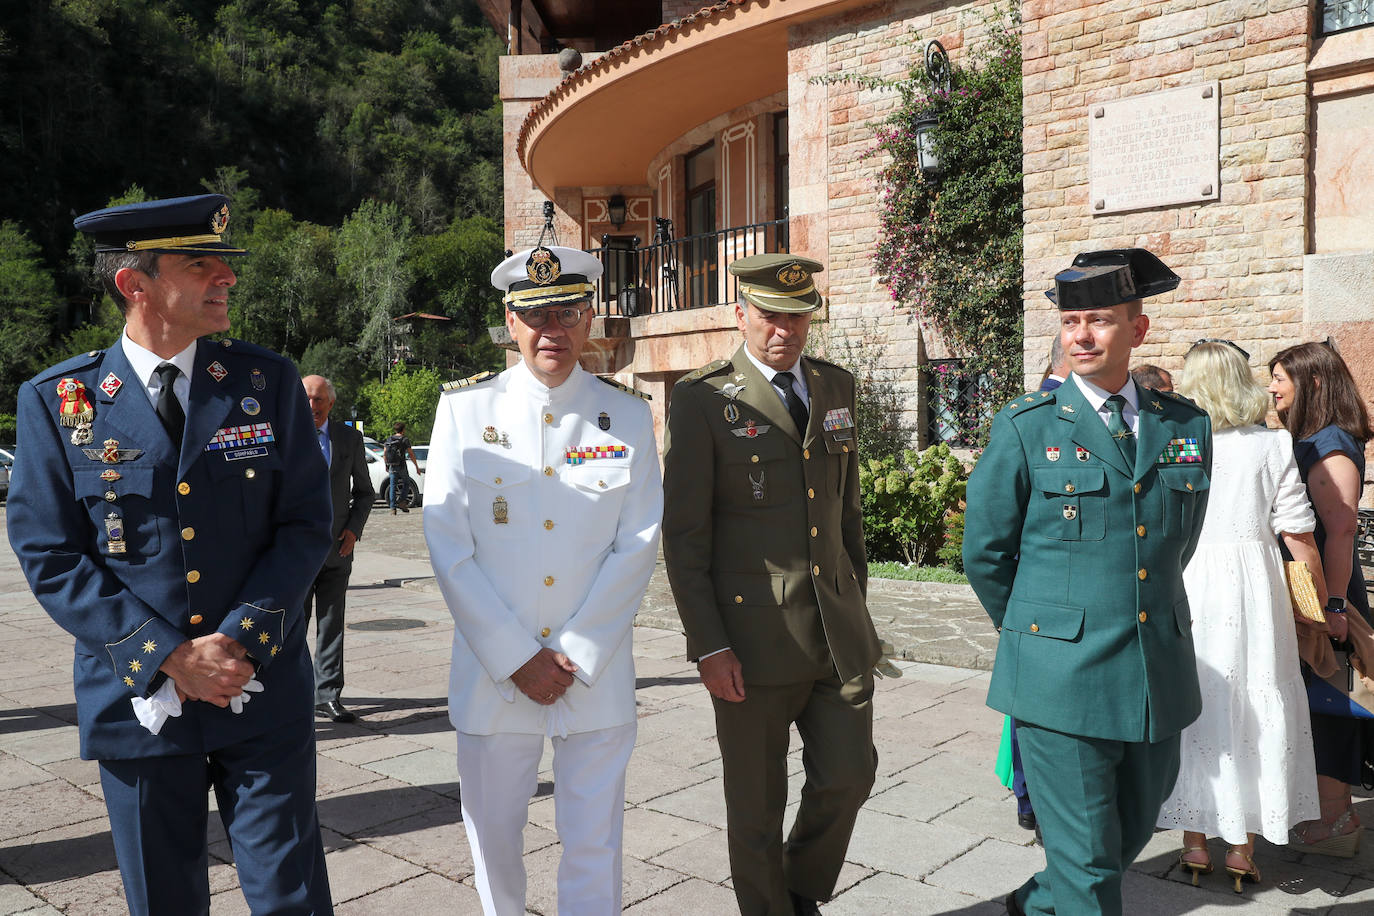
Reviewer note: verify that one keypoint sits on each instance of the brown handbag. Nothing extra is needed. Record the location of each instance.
(1302, 591)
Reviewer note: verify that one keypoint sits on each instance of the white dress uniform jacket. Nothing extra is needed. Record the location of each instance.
(542, 512)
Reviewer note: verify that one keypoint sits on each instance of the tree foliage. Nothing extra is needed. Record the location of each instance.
(359, 143)
(408, 396)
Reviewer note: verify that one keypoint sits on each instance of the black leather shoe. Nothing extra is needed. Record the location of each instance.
(1014, 908)
(335, 710)
(803, 906)
(1027, 820)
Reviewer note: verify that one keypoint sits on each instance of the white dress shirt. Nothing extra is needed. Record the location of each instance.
(145, 363)
(1098, 398)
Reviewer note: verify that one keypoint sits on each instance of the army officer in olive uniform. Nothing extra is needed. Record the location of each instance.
(169, 510)
(1082, 512)
(763, 538)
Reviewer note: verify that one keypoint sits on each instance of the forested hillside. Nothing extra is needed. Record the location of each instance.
(360, 142)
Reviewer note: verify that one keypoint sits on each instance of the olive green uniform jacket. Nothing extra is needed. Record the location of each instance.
(1078, 559)
(763, 532)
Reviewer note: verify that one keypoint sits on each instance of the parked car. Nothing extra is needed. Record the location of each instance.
(372, 445)
(381, 480)
(6, 463)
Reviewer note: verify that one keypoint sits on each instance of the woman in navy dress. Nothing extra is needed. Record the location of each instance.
(1317, 400)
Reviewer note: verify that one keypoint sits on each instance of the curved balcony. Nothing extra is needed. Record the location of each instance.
(605, 121)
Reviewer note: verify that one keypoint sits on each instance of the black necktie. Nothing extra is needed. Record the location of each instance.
(795, 407)
(1121, 432)
(168, 407)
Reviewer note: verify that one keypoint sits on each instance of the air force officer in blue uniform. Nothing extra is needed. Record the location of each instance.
(1082, 513)
(169, 509)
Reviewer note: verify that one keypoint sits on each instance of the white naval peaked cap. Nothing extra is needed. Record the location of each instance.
(546, 275)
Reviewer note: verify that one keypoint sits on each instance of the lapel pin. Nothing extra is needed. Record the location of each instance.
(604, 421)
(257, 380)
(1052, 453)
(217, 371)
(489, 435)
(111, 385)
(250, 406)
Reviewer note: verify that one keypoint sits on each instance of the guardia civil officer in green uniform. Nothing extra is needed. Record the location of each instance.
(1082, 513)
(763, 538)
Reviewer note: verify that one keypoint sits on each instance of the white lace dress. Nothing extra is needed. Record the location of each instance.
(1247, 764)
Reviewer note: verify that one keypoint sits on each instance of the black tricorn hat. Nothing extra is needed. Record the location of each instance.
(1102, 279)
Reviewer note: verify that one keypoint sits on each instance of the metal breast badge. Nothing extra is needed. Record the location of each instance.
(757, 485)
(500, 514)
(731, 391)
(114, 534)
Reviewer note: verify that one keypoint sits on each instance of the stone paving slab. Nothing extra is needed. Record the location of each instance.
(938, 835)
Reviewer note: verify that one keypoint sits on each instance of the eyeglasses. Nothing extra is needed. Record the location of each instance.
(568, 316)
(1218, 340)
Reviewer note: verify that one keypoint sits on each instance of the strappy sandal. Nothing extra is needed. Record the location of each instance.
(1251, 870)
(1342, 840)
(1196, 867)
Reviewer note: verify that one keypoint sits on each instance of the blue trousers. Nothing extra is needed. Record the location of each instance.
(159, 811)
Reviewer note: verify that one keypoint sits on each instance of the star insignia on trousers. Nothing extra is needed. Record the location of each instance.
(264, 638)
(246, 623)
(149, 646)
(128, 681)
(135, 666)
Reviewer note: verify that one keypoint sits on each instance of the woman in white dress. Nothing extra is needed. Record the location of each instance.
(1247, 764)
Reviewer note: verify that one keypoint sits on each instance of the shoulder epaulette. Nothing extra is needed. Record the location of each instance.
(1029, 401)
(1178, 399)
(234, 345)
(826, 362)
(697, 375)
(477, 379)
(626, 388)
(70, 365)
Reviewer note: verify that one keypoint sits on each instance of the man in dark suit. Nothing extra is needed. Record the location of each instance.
(1082, 513)
(169, 511)
(350, 496)
(763, 538)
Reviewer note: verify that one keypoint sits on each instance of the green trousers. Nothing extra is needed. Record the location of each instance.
(835, 721)
(1096, 802)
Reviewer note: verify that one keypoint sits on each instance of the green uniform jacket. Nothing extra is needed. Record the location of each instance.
(763, 533)
(1079, 562)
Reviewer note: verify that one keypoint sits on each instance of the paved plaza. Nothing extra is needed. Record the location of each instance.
(938, 835)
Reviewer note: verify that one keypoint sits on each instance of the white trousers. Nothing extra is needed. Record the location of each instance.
(499, 774)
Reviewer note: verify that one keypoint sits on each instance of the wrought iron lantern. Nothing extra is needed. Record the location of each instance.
(937, 69)
(615, 210)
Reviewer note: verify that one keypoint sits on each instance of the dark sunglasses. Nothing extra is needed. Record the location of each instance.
(568, 316)
(1230, 343)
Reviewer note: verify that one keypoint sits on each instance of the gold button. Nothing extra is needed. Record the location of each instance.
(844, 448)
(739, 599)
(601, 484)
(813, 531)
(816, 570)
(548, 471)
(548, 418)
(548, 524)
(548, 580)
(1188, 485)
(854, 576)
(1141, 575)
(196, 618)
(497, 481)
(183, 488)
(193, 576)
(544, 632)
(754, 458)
(806, 453)
(1140, 530)
(1143, 616)
(1035, 628)
(1136, 488)
(111, 496)
(250, 473)
(810, 493)
(1068, 488)
(188, 534)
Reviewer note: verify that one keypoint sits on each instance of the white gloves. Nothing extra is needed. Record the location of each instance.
(153, 712)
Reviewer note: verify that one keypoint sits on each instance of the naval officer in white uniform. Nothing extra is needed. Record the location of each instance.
(542, 509)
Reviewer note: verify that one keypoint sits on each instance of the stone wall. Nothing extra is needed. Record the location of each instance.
(1240, 257)
(835, 195)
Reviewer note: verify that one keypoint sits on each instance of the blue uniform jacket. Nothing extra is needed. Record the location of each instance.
(226, 537)
(1078, 559)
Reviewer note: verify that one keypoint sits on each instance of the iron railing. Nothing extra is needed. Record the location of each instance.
(1342, 15)
(670, 275)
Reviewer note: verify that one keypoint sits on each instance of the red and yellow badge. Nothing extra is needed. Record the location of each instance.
(219, 220)
(73, 408)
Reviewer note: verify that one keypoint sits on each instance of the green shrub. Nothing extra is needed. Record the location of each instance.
(951, 552)
(886, 569)
(908, 501)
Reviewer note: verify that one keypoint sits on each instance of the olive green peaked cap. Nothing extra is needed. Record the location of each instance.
(778, 282)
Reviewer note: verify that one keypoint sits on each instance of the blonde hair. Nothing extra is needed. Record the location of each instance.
(1219, 380)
